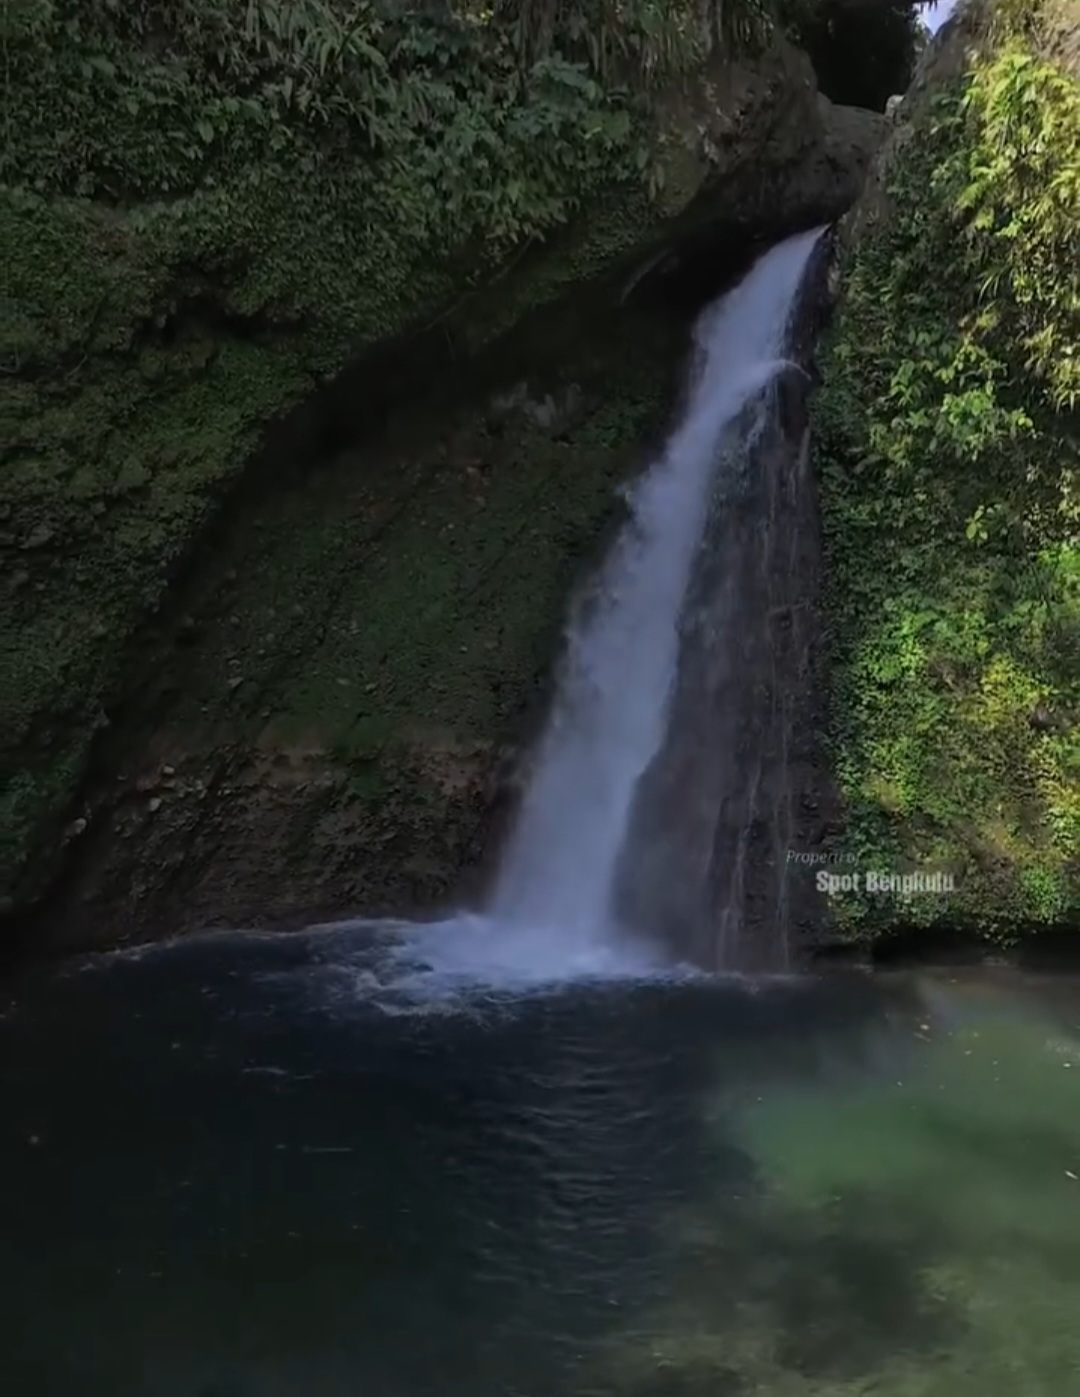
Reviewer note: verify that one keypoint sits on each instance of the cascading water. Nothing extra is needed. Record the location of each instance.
(610, 713)
(552, 915)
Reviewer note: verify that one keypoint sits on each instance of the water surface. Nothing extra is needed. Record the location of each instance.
(236, 1168)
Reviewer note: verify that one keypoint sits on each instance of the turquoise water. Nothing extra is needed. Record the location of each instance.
(228, 1171)
(917, 1227)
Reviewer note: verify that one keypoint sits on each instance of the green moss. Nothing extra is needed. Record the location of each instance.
(417, 590)
(611, 224)
(193, 264)
(948, 454)
(367, 638)
(208, 215)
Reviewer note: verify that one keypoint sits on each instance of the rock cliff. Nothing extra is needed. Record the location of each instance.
(281, 577)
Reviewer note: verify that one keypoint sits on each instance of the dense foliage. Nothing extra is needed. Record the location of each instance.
(487, 107)
(429, 120)
(949, 437)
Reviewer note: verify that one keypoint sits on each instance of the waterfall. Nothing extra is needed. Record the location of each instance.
(556, 887)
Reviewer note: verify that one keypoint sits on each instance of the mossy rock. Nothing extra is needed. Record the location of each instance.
(948, 452)
(188, 275)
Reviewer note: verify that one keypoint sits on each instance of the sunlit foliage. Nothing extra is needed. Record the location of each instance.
(952, 498)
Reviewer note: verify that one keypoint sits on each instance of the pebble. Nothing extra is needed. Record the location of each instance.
(154, 805)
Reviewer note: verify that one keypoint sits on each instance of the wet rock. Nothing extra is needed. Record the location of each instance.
(39, 536)
(554, 412)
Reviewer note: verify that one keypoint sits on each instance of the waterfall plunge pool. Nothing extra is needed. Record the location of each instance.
(515, 1155)
(259, 1167)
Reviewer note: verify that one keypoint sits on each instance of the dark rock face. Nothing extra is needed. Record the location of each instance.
(738, 799)
(299, 702)
(862, 50)
(321, 721)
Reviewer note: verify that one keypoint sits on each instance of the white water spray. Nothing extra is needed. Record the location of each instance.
(550, 921)
(550, 918)
(610, 713)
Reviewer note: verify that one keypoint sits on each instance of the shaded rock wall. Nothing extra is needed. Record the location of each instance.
(862, 50)
(153, 430)
(327, 708)
(740, 796)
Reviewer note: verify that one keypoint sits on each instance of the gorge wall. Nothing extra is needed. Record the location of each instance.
(320, 371)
